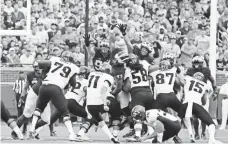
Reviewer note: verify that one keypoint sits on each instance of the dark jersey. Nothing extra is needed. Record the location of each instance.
(33, 78)
(99, 59)
(206, 71)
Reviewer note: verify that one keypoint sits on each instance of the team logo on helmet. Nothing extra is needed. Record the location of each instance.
(199, 76)
(197, 61)
(138, 112)
(67, 56)
(36, 67)
(164, 65)
(121, 57)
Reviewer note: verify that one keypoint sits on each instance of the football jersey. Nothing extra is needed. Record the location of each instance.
(164, 80)
(95, 83)
(138, 78)
(154, 114)
(194, 90)
(99, 59)
(60, 72)
(32, 78)
(77, 92)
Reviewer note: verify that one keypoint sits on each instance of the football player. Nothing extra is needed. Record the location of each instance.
(100, 53)
(99, 87)
(61, 72)
(197, 66)
(34, 80)
(7, 118)
(165, 125)
(136, 82)
(74, 97)
(163, 81)
(196, 92)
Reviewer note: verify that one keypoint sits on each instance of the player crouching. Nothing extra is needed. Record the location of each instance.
(164, 126)
(196, 92)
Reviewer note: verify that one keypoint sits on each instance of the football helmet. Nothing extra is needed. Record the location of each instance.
(83, 72)
(36, 67)
(138, 112)
(146, 46)
(121, 57)
(104, 45)
(164, 65)
(67, 56)
(197, 61)
(199, 76)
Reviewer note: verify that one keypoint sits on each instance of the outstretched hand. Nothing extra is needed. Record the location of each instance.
(122, 28)
(87, 40)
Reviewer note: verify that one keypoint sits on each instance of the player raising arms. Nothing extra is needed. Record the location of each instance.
(61, 72)
(196, 92)
(100, 84)
(136, 82)
(6, 117)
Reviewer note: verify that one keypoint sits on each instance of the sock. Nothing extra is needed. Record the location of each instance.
(203, 127)
(40, 123)
(16, 130)
(211, 131)
(188, 124)
(82, 132)
(21, 120)
(69, 126)
(196, 125)
(34, 121)
(138, 129)
(115, 133)
(104, 127)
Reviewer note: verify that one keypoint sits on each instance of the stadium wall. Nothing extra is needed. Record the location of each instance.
(9, 76)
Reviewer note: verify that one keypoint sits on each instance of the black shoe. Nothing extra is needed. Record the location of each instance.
(197, 137)
(14, 135)
(131, 133)
(192, 141)
(176, 139)
(37, 136)
(203, 136)
(114, 140)
(53, 134)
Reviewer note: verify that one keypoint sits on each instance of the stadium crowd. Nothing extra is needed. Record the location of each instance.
(13, 14)
(178, 27)
(222, 49)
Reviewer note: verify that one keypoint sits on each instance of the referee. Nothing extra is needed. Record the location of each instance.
(18, 88)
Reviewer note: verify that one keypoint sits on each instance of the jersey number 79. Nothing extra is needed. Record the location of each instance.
(65, 69)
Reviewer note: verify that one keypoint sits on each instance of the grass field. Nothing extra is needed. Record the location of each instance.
(97, 137)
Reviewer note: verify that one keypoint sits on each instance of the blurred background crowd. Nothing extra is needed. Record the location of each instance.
(222, 40)
(13, 14)
(179, 27)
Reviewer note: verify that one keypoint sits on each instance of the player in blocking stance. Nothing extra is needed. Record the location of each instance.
(62, 72)
(196, 92)
(100, 84)
(6, 117)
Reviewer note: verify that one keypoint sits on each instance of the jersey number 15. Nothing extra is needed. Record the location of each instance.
(196, 86)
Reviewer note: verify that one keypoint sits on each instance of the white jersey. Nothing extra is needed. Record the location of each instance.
(153, 114)
(95, 83)
(164, 80)
(194, 90)
(138, 78)
(78, 92)
(60, 72)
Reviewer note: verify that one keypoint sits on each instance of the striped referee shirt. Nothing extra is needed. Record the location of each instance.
(19, 86)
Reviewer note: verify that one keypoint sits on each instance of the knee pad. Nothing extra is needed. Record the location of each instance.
(37, 112)
(66, 118)
(86, 125)
(10, 121)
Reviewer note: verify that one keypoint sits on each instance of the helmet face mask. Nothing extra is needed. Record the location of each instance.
(164, 65)
(67, 56)
(138, 113)
(36, 67)
(197, 62)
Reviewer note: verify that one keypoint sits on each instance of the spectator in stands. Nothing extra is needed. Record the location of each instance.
(13, 59)
(27, 58)
(220, 62)
(14, 18)
(224, 94)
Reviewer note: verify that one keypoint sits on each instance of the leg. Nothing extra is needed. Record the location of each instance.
(196, 127)
(172, 129)
(224, 113)
(76, 109)
(6, 117)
